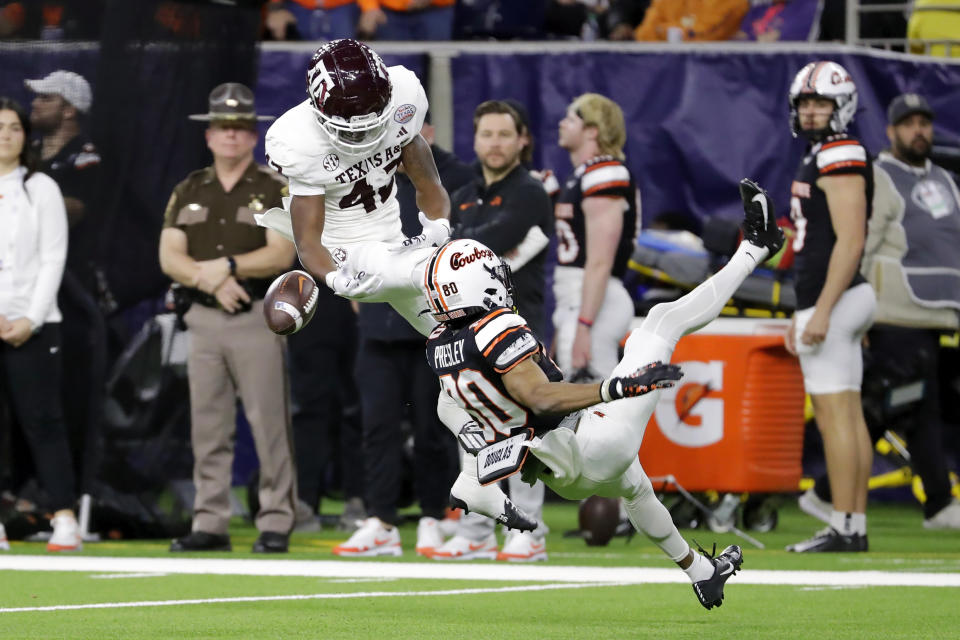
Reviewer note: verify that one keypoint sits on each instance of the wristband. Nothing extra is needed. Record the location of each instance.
(585, 322)
(605, 391)
(329, 278)
(233, 265)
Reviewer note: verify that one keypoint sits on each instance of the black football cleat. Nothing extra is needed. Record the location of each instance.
(829, 540)
(710, 591)
(201, 541)
(760, 219)
(271, 542)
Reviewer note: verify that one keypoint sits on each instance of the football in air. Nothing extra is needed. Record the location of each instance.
(290, 302)
(598, 520)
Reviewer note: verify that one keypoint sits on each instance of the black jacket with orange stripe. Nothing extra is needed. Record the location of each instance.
(500, 216)
(470, 361)
(814, 240)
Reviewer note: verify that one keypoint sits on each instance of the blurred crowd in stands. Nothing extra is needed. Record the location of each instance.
(585, 20)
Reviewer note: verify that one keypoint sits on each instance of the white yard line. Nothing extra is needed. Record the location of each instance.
(314, 596)
(114, 576)
(460, 571)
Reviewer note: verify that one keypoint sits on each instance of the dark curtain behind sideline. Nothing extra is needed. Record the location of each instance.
(159, 59)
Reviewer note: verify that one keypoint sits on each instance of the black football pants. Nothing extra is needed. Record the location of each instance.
(925, 433)
(391, 377)
(31, 375)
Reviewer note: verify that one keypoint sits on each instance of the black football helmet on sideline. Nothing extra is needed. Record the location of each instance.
(351, 94)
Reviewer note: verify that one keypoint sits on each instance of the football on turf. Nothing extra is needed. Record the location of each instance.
(290, 302)
(598, 519)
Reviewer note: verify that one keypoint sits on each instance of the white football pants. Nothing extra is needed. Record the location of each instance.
(402, 275)
(601, 457)
(609, 326)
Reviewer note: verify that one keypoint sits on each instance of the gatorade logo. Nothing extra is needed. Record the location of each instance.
(691, 414)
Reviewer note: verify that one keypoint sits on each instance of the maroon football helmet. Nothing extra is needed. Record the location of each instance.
(351, 94)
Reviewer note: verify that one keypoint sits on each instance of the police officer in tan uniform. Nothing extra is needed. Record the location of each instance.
(213, 247)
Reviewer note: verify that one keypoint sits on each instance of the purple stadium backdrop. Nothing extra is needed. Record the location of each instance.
(696, 122)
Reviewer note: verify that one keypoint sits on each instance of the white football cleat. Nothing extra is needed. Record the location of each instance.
(523, 546)
(448, 526)
(66, 533)
(462, 548)
(468, 494)
(429, 536)
(811, 504)
(946, 518)
(373, 538)
(4, 543)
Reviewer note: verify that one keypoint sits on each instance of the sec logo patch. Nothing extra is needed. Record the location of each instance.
(404, 113)
(330, 162)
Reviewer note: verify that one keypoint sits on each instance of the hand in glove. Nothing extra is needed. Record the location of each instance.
(353, 286)
(434, 232)
(655, 375)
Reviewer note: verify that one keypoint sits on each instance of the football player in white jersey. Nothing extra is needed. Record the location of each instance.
(340, 149)
(584, 437)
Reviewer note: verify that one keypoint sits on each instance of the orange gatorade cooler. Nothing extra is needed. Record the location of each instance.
(734, 423)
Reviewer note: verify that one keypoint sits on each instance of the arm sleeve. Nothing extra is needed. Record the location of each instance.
(888, 205)
(170, 213)
(291, 164)
(842, 157)
(509, 225)
(52, 247)
(420, 103)
(504, 340)
(609, 179)
(450, 413)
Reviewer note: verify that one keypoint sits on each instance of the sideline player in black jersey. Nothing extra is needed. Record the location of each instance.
(596, 224)
(830, 204)
(503, 398)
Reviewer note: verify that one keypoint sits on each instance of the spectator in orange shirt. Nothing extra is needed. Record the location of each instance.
(311, 19)
(692, 20)
(406, 19)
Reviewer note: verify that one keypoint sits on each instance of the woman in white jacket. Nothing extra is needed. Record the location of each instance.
(33, 249)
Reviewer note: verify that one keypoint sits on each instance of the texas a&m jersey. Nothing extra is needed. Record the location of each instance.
(360, 191)
(470, 361)
(814, 240)
(605, 177)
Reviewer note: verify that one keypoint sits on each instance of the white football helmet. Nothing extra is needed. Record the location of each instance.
(828, 80)
(465, 278)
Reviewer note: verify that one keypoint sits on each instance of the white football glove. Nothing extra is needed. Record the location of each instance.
(353, 286)
(434, 233)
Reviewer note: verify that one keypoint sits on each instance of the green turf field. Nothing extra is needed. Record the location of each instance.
(136, 589)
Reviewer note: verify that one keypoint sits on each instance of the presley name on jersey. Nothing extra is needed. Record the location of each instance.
(360, 190)
(605, 177)
(470, 360)
(814, 240)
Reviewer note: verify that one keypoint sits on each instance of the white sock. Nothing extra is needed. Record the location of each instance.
(858, 522)
(651, 518)
(842, 521)
(700, 568)
(758, 254)
(672, 320)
